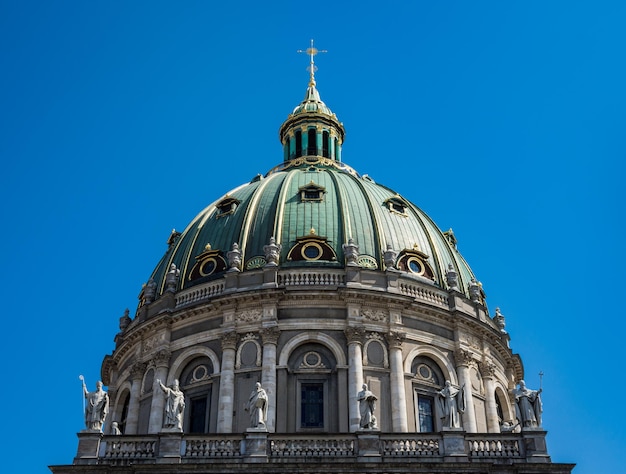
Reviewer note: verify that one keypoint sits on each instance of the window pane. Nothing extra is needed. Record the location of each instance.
(425, 409)
(197, 417)
(312, 405)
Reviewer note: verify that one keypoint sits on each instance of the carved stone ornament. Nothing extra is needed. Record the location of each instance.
(389, 257)
(229, 340)
(351, 251)
(312, 360)
(376, 315)
(249, 315)
(452, 278)
(125, 320)
(500, 321)
(153, 342)
(249, 338)
(470, 340)
(379, 341)
(487, 369)
(161, 358)
(272, 252)
(474, 291)
(171, 279)
(149, 291)
(395, 339)
(234, 258)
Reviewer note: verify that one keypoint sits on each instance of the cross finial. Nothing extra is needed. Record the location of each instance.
(312, 51)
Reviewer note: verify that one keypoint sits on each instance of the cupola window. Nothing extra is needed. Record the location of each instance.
(312, 142)
(226, 206)
(298, 135)
(312, 192)
(326, 144)
(396, 205)
(414, 261)
(311, 248)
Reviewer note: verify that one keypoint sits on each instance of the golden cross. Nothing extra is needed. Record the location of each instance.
(312, 51)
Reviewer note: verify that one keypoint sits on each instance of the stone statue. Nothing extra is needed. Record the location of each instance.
(234, 258)
(528, 406)
(115, 429)
(367, 405)
(452, 278)
(257, 406)
(351, 251)
(174, 406)
(389, 257)
(96, 408)
(508, 427)
(272, 252)
(500, 321)
(171, 279)
(451, 402)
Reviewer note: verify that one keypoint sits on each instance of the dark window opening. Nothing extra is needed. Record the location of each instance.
(325, 144)
(312, 145)
(122, 422)
(312, 405)
(425, 412)
(312, 195)
(298, 143)
(198, 415)
(287, 147)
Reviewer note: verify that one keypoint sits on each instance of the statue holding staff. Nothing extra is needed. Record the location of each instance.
(528, 407)
(96, 406)
(451, 403)
(174, 406)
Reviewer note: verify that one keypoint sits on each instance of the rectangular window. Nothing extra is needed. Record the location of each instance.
(198, 415)
(425, 414)
(312, 405)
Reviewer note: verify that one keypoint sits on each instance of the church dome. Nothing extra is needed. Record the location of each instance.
(319, 212)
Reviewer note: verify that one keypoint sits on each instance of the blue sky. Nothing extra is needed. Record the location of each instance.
(503, 120)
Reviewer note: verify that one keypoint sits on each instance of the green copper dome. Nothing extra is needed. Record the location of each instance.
(312, 211)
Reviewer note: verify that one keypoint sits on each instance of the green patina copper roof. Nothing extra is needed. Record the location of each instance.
(343, 206)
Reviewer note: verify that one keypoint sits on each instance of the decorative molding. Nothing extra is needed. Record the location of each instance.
(138, 370)
(249, 315)
(249, 338)
(376, 315)
(464, 357)
(377, 338)
(161, 358)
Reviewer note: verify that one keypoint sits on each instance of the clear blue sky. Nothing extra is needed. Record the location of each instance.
(503, 120)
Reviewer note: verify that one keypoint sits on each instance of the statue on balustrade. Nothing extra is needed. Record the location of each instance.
(174, 406)
(96, 408)
(367, 405)
(528, 406)
(257, 406)
(451, 402)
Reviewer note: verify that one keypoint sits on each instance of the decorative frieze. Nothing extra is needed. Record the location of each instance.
(374, 315)
(249, 315)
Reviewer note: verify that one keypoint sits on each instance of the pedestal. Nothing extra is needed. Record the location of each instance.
(369, 446)
(535, 444)
(454, 445)
(256, 445)
(169, 447)
(88, 447)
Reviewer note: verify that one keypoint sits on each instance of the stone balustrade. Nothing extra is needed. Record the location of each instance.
(95, 448)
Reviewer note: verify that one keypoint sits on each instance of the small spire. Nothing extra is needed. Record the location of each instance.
(312, 51)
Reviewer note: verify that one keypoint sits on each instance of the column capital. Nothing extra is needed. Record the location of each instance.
(161, 358)
(395, 339)
(229, 340)
(137, 370)
(354, 335)
(464, 358)
(487, 369)
(270, 335)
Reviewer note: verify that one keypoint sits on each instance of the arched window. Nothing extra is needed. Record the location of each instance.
(196, 383)
(124, 415)
(427, 381)
(312, 145)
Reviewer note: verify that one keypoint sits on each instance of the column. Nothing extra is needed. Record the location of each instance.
(399, 420)
(161, 362)
(227, 384)
(488, 373)
(464, 362)
(132, 418)
(269, 336)
(355, 374)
